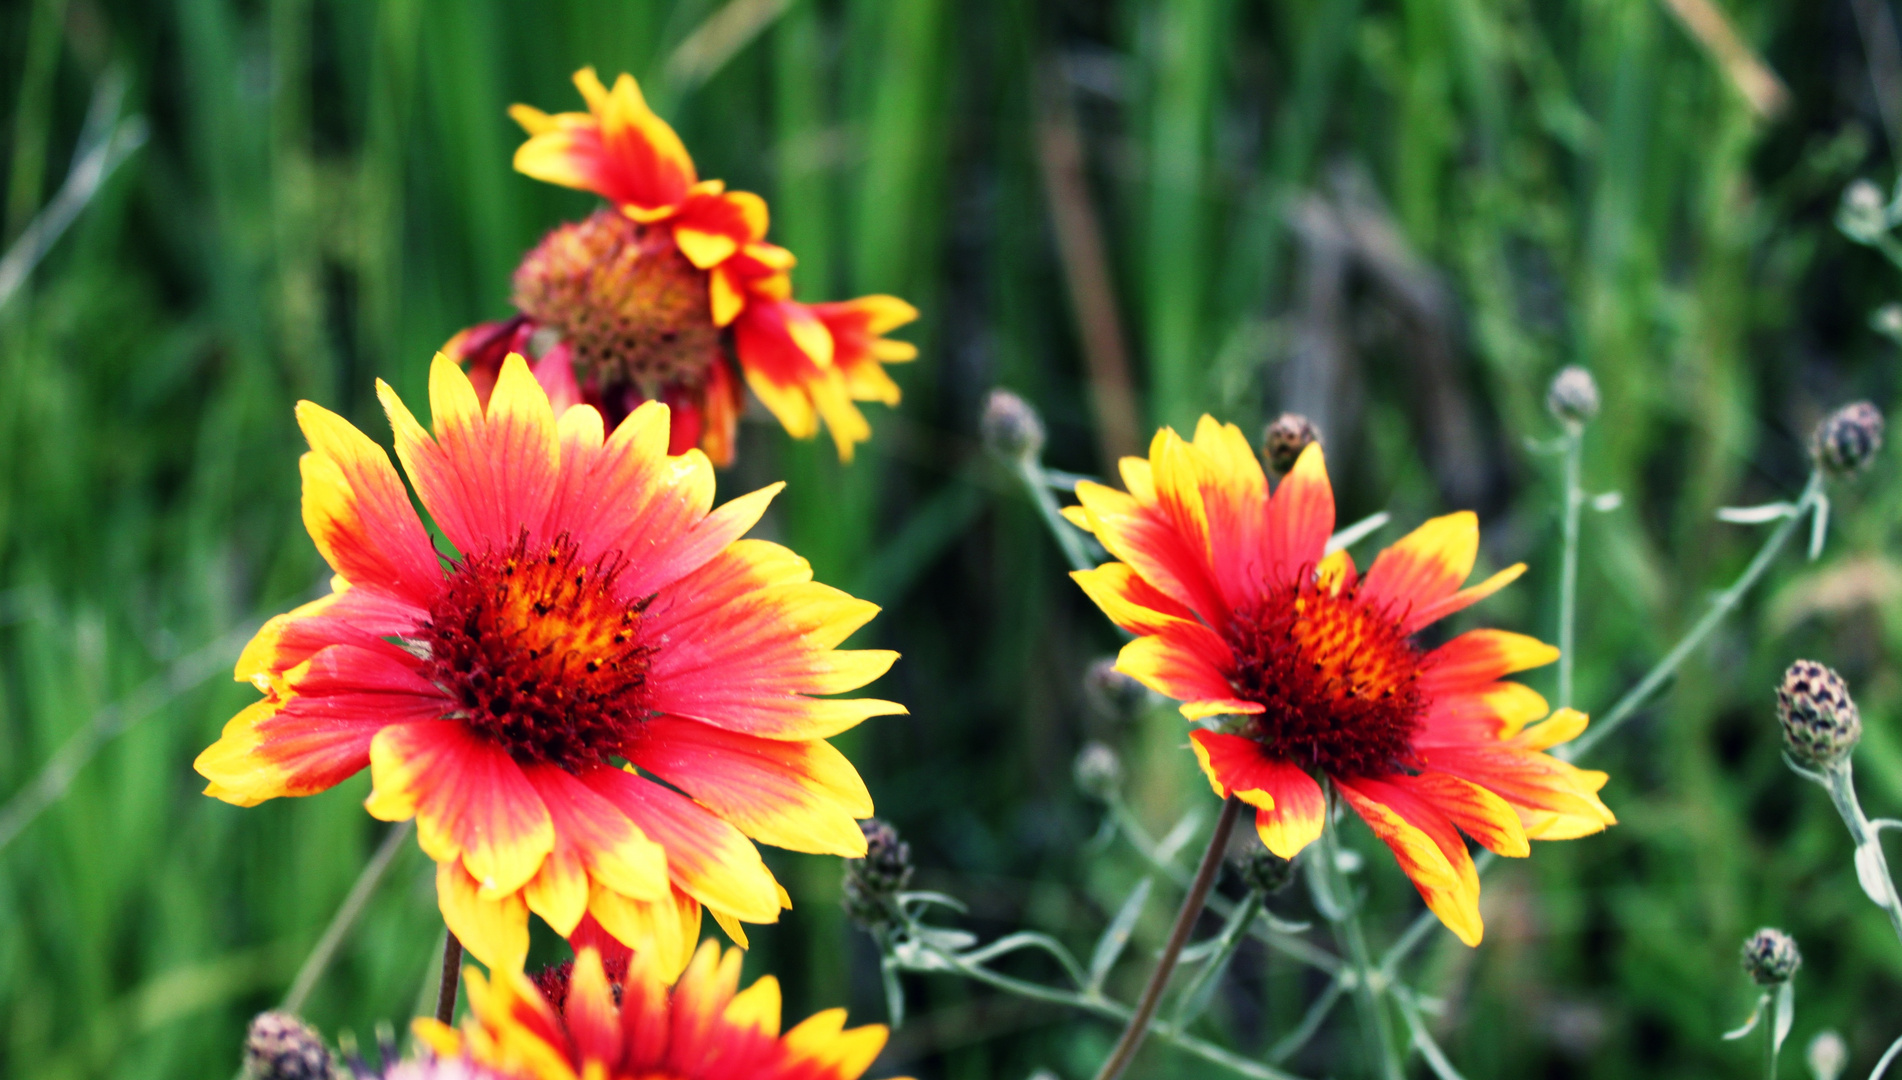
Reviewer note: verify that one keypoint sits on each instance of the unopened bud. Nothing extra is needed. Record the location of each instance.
(1284, 440)
(1098, 771)
(1821, 724)
(1862, 216)
(1573, 396)
(279, 1046)
(872, 883)
(1847, 439)
(1262, 870)
(1827, 1055)
(1011, 428)
(1887, 321)
(1770, 957)
(1110, 690)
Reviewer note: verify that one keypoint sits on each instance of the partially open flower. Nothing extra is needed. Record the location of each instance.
(673, 293)
(1770, 957)
(1821, 724)
(1847, 440)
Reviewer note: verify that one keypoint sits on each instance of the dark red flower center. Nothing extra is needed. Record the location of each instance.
(541, 653)
(1337, 679)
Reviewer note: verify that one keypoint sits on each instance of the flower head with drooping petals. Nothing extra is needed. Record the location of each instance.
(599, 627)
(1301, 667)
(635, 1028)
(657, 298)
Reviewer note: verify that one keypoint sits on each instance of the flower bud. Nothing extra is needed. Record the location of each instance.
(1011, 428)
(1770, 957)
(1111, 691)
(1887, 321)
(873, 883)
(1847, 439)
(279, 1046)
(1098, 771)
(1821, 724)
(1283, 441)
(1262, 870)
(1573, 396)
(1827, 1055)
(1862, 216)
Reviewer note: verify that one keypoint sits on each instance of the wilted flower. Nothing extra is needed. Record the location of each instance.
(873, 882)
(1847, 439)
(1821, 724)
(1011, 428)
(1770, 957)
(1283, 441)
(279, 1046)
(1098, 771)
(1573, 397)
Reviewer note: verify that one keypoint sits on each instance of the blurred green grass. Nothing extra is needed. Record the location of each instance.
(1400, 217)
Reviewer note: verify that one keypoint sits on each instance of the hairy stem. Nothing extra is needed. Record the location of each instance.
(1138, 1027)
(451, 978)
(1840, 781)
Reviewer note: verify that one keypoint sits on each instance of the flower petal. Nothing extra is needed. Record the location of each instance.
(1479, 657)
(821, 1043)
(706, 857)
(1185, 661)
(1479, 813)
(494, 930)
(358, 514)
(1300, 518)
(1290, 809)
(662, 932)
(1129, 601)
(1425, 566)
(469, 798)
(1428, 849)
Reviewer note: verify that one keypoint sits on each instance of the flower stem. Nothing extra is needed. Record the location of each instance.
(346, 917)
(1345, 915)
(1568, 563)
(451, 977)
(1138, 1027)
(1842, 791)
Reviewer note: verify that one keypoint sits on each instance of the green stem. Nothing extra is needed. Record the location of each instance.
(1344, 913)
(1770, 1047)
(1568, 563)
(1066, 534)
(345, 918)
(1841, 785)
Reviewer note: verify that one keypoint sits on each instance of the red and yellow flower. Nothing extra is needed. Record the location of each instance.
(1300, 667)
(657, 297)
(705, 1028)
(599, 627)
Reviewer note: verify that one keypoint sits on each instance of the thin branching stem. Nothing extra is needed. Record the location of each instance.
(1841, 784)
(1068, 537)
(1138, 1027)
(1344, 912)
(346, 917)
(1568, 562)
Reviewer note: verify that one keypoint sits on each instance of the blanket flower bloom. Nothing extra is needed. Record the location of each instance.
(705, 1028)
(1301, 667)
(597, 611)
(658, 297)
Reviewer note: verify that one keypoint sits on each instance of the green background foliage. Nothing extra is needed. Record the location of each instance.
(1401, 216)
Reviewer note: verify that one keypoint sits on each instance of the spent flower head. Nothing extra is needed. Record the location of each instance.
(1011, 428)
(1573, 396)
(279, 1046)
(1821, 724)
(872, 883)
(1099, 772)
(1283, 441)
(1847, 440)
(1770, 957)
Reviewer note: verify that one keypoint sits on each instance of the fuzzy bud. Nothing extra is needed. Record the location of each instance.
(1011, 428)
(1111, 691)
(872, 883)
(1770, 957)
(1283, 441)
(279, 1046)
(1262, 870)
(1098, 771)
(1862, 216)
(1573, 396)
(1827, 1056)
(1847, 440)
(1821, 724)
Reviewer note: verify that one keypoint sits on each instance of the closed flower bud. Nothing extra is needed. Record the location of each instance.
(1573, 397)
(1284, 440)
(1770, 957)
(1847, 439)
(1887, 321)
(1099, 772)
(1827, 1055)
(1011, 428)
(279, 1046)
(1115, 693)
(873, 883)
(1862, 215)
(1262, 870)
(1821, 724)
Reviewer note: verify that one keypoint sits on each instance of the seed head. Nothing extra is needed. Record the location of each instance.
(1262, 870)
(873, 883)
(1573, 397)
(1821, 724)
(1862, 216)
(1099, 772)
(1770, 957)
(1847, 439)
(1283, 441)
(1011, 428)
(279, 1046)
